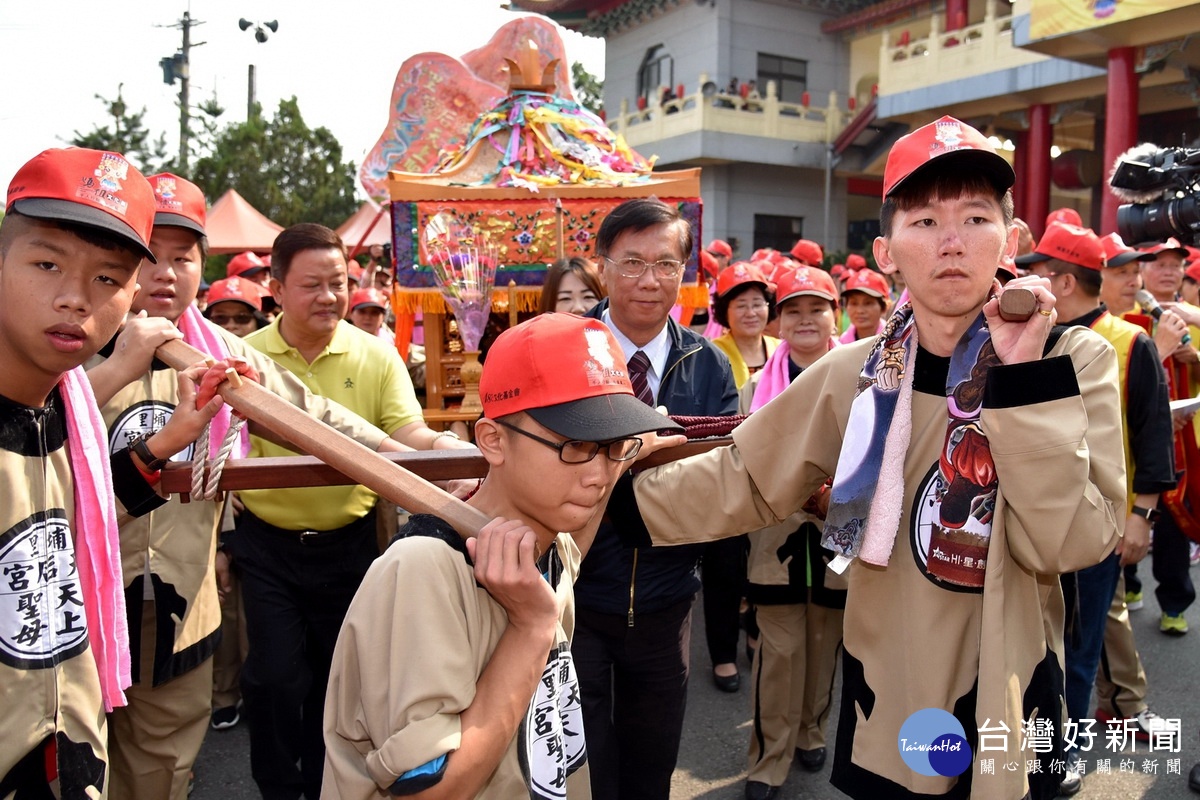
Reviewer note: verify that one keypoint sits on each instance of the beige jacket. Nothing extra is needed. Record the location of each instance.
(910, 642)
(176, 542)
(418, 634)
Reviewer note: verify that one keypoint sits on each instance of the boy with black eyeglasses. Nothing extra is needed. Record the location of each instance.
(453, 668)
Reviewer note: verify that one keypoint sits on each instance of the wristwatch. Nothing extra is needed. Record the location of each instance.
(1149, 514)
(138, 445)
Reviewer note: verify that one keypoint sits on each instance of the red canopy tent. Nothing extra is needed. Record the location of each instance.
(235, 226)
(370, 224)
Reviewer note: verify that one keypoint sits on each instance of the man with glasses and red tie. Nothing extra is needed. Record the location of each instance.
(634, 606)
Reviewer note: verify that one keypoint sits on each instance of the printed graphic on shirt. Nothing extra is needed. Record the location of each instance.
(146, 416)
(552, 732)
(957, 550)
(42, 620)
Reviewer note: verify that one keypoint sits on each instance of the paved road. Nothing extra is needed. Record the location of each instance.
(712, 760)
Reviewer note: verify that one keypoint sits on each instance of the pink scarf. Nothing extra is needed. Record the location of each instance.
(202, 335)
(850, 335)
(775, 375)
(97, 542)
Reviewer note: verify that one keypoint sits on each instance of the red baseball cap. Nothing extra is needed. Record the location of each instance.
(808, 252)
(838, 270)
(1169, 245)
(867, 281)
(707, 263)
(1193, 272)
(737, 274)
(719, 247)
(96, 188)
(1118, 253)
(1193, 254)
(946, 143)
(1067, 215)
(235, 288)
(569, 374)
(1070, 243)
(179, 203)
(362, 298)
(805, 280)
(855, 261)
(247, 263)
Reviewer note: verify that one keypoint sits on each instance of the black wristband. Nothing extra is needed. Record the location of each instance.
(1149, 514)
(152, 462)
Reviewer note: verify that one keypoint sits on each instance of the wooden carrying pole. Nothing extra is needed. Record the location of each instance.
(352, 459)
(439, 465)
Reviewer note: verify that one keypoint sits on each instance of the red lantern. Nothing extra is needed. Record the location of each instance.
(641, 103)
(851, 103)
(679, 90)
(874, 90)
(804, 98)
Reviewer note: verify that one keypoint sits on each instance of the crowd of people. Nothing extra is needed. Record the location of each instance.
(865, 493)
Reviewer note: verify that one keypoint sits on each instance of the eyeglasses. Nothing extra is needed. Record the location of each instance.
(574, 451)
(636, 267)
(240, 319)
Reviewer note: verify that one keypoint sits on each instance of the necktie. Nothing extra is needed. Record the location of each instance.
(638, 365)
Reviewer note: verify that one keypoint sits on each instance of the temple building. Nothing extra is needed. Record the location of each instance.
(790, 106)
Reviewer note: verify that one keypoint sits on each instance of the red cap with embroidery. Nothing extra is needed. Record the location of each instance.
(855, 261)
(368, 298)
(1170, 245)
(96, 188)
(738, 273)
(808, 252)
(246, 264)
(1118, 253)
(569, 374)
(178, 203)
(805, 281)
(945, 143)
(239, 289)
(719, 247)
(1070, 243)
(867, 281)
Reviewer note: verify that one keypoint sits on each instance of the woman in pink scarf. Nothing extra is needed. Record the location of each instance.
(865, 297)
(798, 604)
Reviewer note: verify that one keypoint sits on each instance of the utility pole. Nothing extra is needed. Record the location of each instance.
(184, 108)
(177, 67)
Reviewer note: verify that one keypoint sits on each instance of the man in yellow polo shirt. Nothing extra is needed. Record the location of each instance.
(303, 552)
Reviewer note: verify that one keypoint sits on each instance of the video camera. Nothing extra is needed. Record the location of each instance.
(1161, 187)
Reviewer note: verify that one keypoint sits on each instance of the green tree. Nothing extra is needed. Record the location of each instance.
(589, 90)
(127, 134)
(288, 171)
(203, 127)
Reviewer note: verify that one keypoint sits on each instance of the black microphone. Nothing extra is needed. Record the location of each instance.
(1151, 306)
